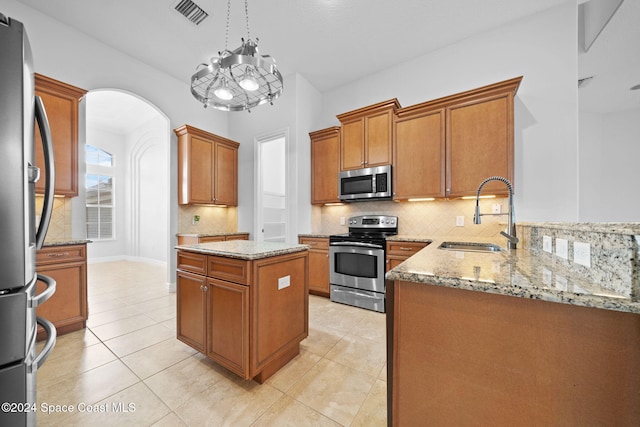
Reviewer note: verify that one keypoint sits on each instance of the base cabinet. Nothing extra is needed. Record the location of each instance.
(228, 334)
(318, 264)
(194, 239)
(487, 359)
(67, 308)
(399, 251)
(241, 313)
(191, 309)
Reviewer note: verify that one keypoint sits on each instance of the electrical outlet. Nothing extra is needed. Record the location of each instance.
(546, 244)
(284, 282)
(496, 208)
(562, 248)
(342, 220)
(460, 221)
(582, 253)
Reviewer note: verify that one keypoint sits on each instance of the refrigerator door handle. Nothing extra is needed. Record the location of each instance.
(48, 345)
(46, 294)
(49, 165)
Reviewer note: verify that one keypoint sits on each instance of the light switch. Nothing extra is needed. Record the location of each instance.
(460, 221)
(284, 282)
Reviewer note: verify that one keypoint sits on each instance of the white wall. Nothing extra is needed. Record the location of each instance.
(147, 193)
(609, 163)
(70, 56)
(115, 144)
(542, 48)
(293, 111)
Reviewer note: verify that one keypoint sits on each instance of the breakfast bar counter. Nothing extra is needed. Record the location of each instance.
(244, 304)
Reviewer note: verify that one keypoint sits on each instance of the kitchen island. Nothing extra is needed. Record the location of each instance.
(244, 304)
(520, 337)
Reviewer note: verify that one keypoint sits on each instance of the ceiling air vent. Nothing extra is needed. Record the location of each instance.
(191, 11)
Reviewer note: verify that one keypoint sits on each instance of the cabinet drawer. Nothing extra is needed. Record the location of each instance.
(189, 261)
(405, 249)
(320, 243)
(229, 269)
(208, 239)
(243, 236)
(61, 254)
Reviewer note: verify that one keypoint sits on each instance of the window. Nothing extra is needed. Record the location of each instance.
(99, 194)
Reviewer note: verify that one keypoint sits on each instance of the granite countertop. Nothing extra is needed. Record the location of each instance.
(66, 242)
(211, 234)
(316, 235)
(244, 249)
(517, 272)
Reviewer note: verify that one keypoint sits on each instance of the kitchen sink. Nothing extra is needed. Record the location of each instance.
(470, 247)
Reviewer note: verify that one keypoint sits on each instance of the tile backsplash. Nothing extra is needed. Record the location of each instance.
(60, 226)
(212, 219)
(435, 218)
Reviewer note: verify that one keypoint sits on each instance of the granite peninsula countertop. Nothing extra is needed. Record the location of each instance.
(519, 272)
(244, 249)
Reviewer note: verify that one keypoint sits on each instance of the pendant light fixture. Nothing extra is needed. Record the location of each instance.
(237, 80)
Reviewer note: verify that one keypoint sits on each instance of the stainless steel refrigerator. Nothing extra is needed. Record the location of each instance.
(19, 109)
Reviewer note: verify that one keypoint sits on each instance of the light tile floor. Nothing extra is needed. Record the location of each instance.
(128, 369)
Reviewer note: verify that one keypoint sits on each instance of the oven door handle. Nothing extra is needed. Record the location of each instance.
(356, 293)
(359, 244)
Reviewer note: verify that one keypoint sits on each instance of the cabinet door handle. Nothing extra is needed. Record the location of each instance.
(58, 254)
(405, 249)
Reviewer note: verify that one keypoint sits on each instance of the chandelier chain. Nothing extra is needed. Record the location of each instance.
(226, 35)
(246, 13)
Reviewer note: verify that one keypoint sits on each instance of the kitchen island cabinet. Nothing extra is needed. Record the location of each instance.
(399, 251)
(516, 336)
(244, 304)
(67, 308)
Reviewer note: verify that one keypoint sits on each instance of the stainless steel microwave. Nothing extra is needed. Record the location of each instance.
(365, 184)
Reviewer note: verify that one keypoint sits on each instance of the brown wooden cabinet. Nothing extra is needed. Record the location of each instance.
(194, 239)
(239, 314)
(61, 103)
(419, 154)
(207, 168)
(366, 136)
(448, 146)
(325, 165)
(67, 308)
(399, 251)
(318, 264)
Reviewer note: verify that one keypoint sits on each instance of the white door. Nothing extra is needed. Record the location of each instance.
(272, 200)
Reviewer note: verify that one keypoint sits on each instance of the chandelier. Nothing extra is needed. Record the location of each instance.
(237, 80)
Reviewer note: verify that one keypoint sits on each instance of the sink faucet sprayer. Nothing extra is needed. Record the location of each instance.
(510, 234)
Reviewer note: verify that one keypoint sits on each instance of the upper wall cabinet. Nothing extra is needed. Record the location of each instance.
(325, 165)
(61, 104)
(366, 136)
(207, 168)
(448, 146)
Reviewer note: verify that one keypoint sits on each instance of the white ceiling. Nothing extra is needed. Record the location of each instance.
(329, 42)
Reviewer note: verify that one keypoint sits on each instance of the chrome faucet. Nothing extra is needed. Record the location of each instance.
(510, 234)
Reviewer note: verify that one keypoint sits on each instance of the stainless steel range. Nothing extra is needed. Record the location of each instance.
(357, 261)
